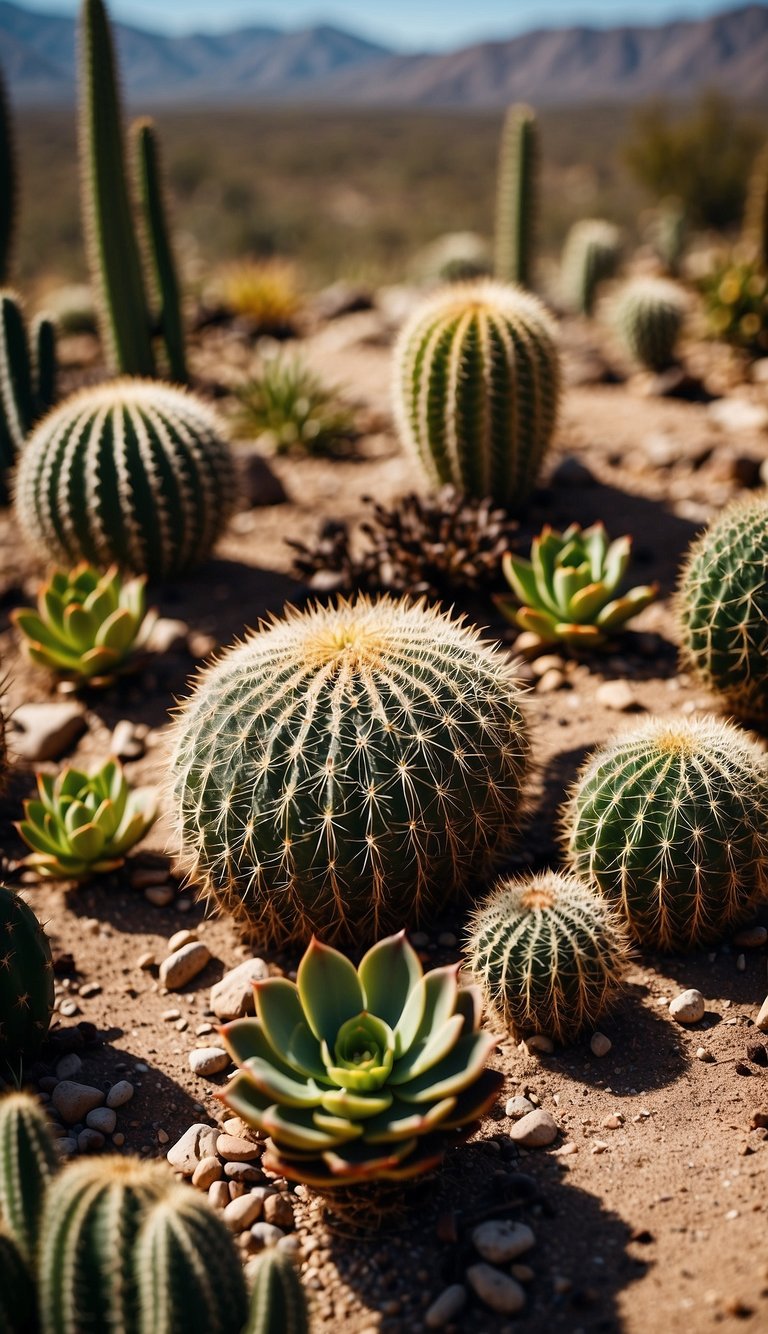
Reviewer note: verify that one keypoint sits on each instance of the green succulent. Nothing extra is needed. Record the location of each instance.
(360, 1075)
(568, 589)
(291, 409)
(83, 824)
(87, 622)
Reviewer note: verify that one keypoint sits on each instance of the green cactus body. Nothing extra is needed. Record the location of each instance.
(45, 367)
(17, 1290)
(548, 953)
(159, 247)
(278, 1303)
(516, 202)
(671, 824)
(8, 185)
(477, 378)
(649, 314)
(27, 1163)
(133, 472)
(27, 385)
(590, 256)
(26, 982)
(347, 768)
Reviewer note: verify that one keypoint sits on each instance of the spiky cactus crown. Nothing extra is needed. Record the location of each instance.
(649, 314)
(26, 982)
(347, 767)
(590, 255)
(476, 389)
(671, 823)
(722, 607)
(134, 472)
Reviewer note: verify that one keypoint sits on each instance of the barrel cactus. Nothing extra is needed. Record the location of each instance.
(548, 953)
(26, 982)
(722, 608)
(278, 1303)
(87, 623)
(671, 824)
(347, 768)
(649, 315)
(27, 1163)
(590, 256)
(133, 472)
(477, 376)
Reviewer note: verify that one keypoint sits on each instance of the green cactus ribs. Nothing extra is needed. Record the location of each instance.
(26, 982)
(28, 1160)
(348, 767)
(278, 1304)
(516, 198)
(27, 380)
(590, 256)
(649, 314)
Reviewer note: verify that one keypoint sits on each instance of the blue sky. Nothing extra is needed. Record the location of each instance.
(404, 23)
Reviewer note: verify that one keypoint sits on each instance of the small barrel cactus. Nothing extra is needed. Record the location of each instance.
(569, 587)
(87, 623)
(722, 608)
(27, 1162)
(360, 1075)
(548, 953)
(516, 196)
(81, 824)
(26, 981)
(671, 824)
(18, 1314)
(278, 1303)
(649, 314)
(477, 376)
(348, 767)
(590, 256)
(132, 472)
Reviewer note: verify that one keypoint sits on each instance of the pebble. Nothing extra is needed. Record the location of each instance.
(181, 938)
(127, 743)
(550, 682)
(69, 1066)
(102, 1119)
(207, 1171)
(232, 996)
(496, 1290)
(501, 1240)
(230, 1147)
(243, 1212)
(89, 1140)
(704, 1054)
(74, 1101)
(518, 1107)
(159, 895)
(599, 1146)
(762, 1019)
(539, 1044)
(446, 1307)
(278, 1210)
(167, 635)
(206, 1061)
(218, 1194)
(46, 731)
(600, 1044)
(245, 1172)
(613, 1122)
(184, 964)
(751, 938)
(688, 1007)
(198, 1142)
(120, 1093)
(738, 414)
(69, 1009)
(536, 1130)
(266, 1235)
(146, 960)
(617, 695)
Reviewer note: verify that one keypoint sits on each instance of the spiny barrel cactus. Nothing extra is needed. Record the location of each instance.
(671, 824)
(87, 623)
(477, 377)
(278, 1303)
(569, 587)
(590, 256)
(548, 953)
(348, 767)
(27, 381)
(27, 1163)
(359, 1075)
(26, 982)
(649, 314)
(722, 607)
(132, 472)
(123, 1247)
(8, 188)
(18, 1314)
(516, 201)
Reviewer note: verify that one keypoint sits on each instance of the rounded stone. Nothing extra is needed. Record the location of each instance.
(208, 1061)
(500, 1240)
(120, 1093)
(207, 1171)
(103, 1119)
(74, 1101)
(518, 1107)
(496, 1290)
(183, 965)
(242, 1213)
(600, 1044)
(536, 1130)
(233, 1149)
(688, 1007)
(446, 1307)
(266, 1235)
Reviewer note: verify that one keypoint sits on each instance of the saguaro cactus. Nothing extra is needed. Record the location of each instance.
(159, 245)
(516, 197)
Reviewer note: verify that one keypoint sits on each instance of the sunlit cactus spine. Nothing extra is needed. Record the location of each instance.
(8, 183)
(548, 953)
(158, 244)
(132, 472)
(671, 824)
(477, 380)
(27, 380)
(649, 314)
(278, 1302)
(516, 197)
(756, 213)
(18, 1313)
(347, 768)
(590, 255)
(27, 1163)
(26, 983)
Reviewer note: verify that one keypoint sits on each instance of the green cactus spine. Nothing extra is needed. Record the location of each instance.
(348, 767)
(26, 982)
(671, 824)
(649, 314)
(8, 184)
(516, 200)
(159, 247)
(18, 1314)
(590, 256)
(278, 1303)
(27, 1163)
(477, 377)
(548, 953)
(756, 213)
(133, 472)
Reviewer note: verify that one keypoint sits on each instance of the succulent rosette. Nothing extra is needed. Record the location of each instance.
(360, 1074)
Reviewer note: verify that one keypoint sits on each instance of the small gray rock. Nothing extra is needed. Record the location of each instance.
(120, 1093)
(446, 1307)
(195, 1144)
(496, 1290)
(500, 1240)
(600, 1045)
(90, 1140)
(69, 1066)
(184, 964)
(205, 1061)
(688, 1007)
(536, 1130)
(46, 731)
(102, 1119)
(518, 1107)
(74, 1101)
(232, 997)
(126, 743)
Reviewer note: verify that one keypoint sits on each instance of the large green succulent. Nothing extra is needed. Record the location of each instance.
(360, 1074)
(568, 589)
(83, 824)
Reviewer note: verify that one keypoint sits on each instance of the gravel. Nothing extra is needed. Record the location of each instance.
(198, 1142)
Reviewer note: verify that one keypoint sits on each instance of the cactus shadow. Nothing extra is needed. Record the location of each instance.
(716, 975)
(225, 597)
(649, 1050)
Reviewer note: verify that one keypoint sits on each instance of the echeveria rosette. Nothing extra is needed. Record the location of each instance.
(81, 824)
(87, 622)
(360, 1075)
(569, 587)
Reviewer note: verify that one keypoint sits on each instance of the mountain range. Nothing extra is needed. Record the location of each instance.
(562, 66)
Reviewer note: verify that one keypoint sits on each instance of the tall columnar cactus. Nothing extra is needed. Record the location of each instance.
(756, 214)
(18, 1314)
(671, 824)
(722, 608)
(477, 377)
(590, 256)
(8, 184)
(26, 982)
(27, 380)
(27, 1163)
(649, 314)
(278, 1302)
(133, 472)
(516, 196)
(159, 245)
(123, 1247)
(347, 768)
(548, 953)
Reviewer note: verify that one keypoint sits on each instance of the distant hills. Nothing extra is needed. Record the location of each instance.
(324, 64)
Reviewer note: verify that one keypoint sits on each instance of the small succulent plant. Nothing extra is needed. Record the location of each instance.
(87, 623)
(569, 589)
(360, 1075)
(82, 824)
(290, 408)
(736, 303)
(26, 982)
